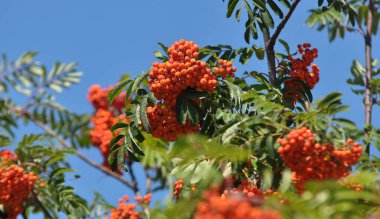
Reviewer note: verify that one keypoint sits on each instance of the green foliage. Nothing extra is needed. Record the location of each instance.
(226, 52)
(186, 108)
(50, 164)
(259, 15)
(340, 16)
(358, 79)
(99, 207)
(240, 124)
(38, 152)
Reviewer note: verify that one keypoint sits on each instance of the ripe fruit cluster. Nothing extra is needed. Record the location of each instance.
(7, 156)
(164, 124)
(144, 200)
(346, 181)
(125, 210)
(250, 192)
(310, 160)
(215, 206)
(300, 69)
(183, 70)
(167, 80)
(98, 98)
(178, 186)
(105, 117)
(15, 184)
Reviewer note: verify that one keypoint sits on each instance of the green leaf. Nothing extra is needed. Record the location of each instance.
(234, 91)
(135, 84)
(269, 144)
(4, 140)
(119, 125)
(260, 4)
(275, 8)
(117, 90)
(116, 139)
(268, 20)
(285, 44)
(143, 115)
(194, 94)
(346, 123)
(237, 14)
(339, 109)
(185, 108)
(113, 160)
(120, 160)
(159, 55)
(259, 53)
(134, 144)
(231, 7)
(163, 47)
(230, 132)
(55, 87)
(329, 100)
(285, 3)
(247, 33)
(60, 171)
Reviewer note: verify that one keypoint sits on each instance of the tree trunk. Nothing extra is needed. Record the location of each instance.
(368, 75)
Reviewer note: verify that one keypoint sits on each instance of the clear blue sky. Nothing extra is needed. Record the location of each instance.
(109, 38)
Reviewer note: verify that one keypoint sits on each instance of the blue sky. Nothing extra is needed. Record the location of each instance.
(109, 38)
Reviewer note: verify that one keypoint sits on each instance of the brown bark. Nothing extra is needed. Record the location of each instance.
(368, 74)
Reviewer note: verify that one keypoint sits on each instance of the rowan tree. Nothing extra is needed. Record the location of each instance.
(223, 143)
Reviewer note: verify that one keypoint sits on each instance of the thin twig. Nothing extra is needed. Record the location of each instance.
(18, 110)
(273, 39)
(131, 172)
(148, 181)
(350, 28)
(24, 216)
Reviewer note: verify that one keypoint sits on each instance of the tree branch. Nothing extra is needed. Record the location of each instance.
(148, 181)
(23, 214)
(368, 66)
(270, 42)
(273, 39)
(18, 110)
(271, 58)
(131, 172)
(350, 28)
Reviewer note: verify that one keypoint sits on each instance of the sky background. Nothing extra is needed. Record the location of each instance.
(110, 38)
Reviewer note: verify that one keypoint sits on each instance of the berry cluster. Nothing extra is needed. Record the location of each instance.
(6, 156)
(250, 192)
(348, 183)
(219, 207)
(310, 160)
(125, 210)
(300, 69)
(15, 184)
(225, 69)
(178, 186)
(144, 200)
(164, 124)
(183, 70)
(104, 118)
(98, 98)
(167, 80)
